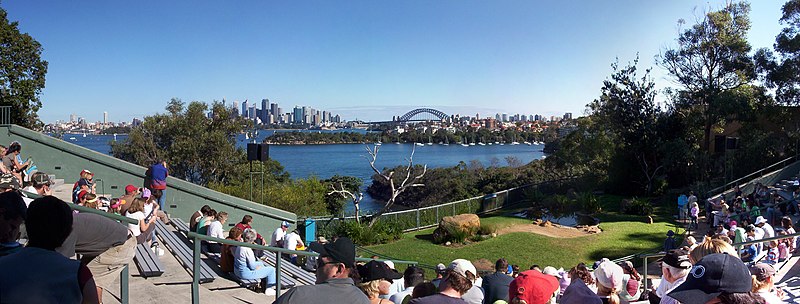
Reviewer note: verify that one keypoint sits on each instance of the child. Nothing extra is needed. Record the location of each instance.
(772, 253)
(693, 213)
(783, 248)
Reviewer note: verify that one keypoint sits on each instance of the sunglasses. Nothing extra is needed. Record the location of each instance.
(321, 264)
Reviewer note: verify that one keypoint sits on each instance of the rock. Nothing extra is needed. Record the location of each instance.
(448, 244)
(494, 234)
(465, 222)
(593, 229)
(546, 224)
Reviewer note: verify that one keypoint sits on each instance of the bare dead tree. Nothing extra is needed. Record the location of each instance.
(408, 182)
(345, 194)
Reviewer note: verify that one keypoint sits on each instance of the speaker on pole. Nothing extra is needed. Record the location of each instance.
(257, 152)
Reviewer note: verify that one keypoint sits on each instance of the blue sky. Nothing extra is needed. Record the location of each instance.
(364, 59)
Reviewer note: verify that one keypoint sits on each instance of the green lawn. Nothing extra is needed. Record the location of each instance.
(622, 235)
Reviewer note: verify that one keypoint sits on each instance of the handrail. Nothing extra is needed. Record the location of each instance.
(278, 251)
(760, 171)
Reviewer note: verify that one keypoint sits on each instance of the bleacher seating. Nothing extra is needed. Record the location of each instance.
(147, 261)
(180, 248)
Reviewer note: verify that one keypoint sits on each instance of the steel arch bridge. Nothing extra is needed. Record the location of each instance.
(408, 116)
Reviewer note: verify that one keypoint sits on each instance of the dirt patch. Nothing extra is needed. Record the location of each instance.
(555, 231)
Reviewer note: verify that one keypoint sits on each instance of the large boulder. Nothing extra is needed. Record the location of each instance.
(469, 223)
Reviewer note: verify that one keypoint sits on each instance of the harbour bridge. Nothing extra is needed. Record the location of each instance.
(420, 114)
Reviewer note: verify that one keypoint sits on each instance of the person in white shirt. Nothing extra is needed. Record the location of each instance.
(292, 242)
(278, 235)
(215, 230)
(675, 266)
(143, 228)
(411, 277)
(768, 230)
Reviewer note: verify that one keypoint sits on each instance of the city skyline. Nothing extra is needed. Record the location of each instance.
(360, 59)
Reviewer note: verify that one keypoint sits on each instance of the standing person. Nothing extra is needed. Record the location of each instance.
(495, 286)
(105, 247)
(278, 235)
(158, 173)
(682, 201)
(694, 212)
(12, 215)
(39, 274)
(334, 284)
(412, 277)
(293, 242)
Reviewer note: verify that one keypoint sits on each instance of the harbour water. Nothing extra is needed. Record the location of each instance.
(324, 161)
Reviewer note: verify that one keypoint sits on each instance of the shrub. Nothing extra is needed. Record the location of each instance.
(638, 207)
(380, 233)
(589, 202)
(487, 229)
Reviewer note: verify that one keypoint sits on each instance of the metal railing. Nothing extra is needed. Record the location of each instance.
(738, 247)
(759, 173)
(427, 217)
(5, 115)
(278, 251)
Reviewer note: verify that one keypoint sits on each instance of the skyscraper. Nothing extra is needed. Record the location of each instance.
(244, 108)
(264, 111)
(105, 119)
(275, 112)
(298, 115)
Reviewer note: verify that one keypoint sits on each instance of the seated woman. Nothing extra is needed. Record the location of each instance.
(226, 258)
(246, 266)
(143, 229)
(13, 162)
(205, 220)
(215, 230)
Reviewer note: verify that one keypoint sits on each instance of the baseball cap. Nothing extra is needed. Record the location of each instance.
(375, 270)
(285, 224)
(342, 250)
(550, 270)
(712, 275)
(609, 275)
(461, 266)
(9, 181)
(440, 268)
(677, 258)
(130, 189)
(762, 271)
(145, 193)
(41, 179)
(84, 171)
(390, 264)
(533, 287)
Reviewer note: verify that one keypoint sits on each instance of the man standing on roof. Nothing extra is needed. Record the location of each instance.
(279, 235)
(105, 246)
(335, 263)
(157, 174)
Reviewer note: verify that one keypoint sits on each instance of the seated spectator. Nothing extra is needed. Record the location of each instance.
(397, 285)
(579, 293)
(533, 287)
(474, 294)
(440, 269)
(376, 278)
(130, 193)
(608, 277)
(115, 206)
(12, 215)
(85, 183)
(412, 277)
(334, 284)
(763, 280)
(560, 275)
(761, 222)
(202, 225)
(582, 273)
(246, 266)
(294, 242)
(422, 290)
(772, 253)
(717, 278)
(91, 201)
(631, 281)
(675, 267)
(277, 236)
(788, 227)
(215, 230)
(197, 215)
(105, 246)
(145, 226)
(495, 285)
(38, 274)
(226, 257)
(311, 261)
(456, 282)
(710, 246)
(13, 161)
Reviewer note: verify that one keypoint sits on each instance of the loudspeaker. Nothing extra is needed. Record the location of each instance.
(257, 152)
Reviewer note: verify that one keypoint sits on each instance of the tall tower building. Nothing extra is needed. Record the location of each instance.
(105, 119)
(244, 108)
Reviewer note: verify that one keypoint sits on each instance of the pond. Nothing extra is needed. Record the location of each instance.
(570, 220)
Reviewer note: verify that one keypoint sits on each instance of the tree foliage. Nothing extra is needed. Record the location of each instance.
(782, 72)
(22, 73)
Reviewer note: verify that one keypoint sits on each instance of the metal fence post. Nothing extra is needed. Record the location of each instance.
(123, 285)
(417, 218)
(277, 274)
(437, 214)
(196, 273)
(645, 273)
(454, 209)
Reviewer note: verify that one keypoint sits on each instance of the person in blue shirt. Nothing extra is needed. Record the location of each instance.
(157, 175)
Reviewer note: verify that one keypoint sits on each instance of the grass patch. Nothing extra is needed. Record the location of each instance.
(622, 235)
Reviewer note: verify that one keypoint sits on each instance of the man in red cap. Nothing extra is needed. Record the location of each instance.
(130, 193)
(533, 287)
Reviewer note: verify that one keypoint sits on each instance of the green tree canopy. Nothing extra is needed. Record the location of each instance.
(22, 73)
